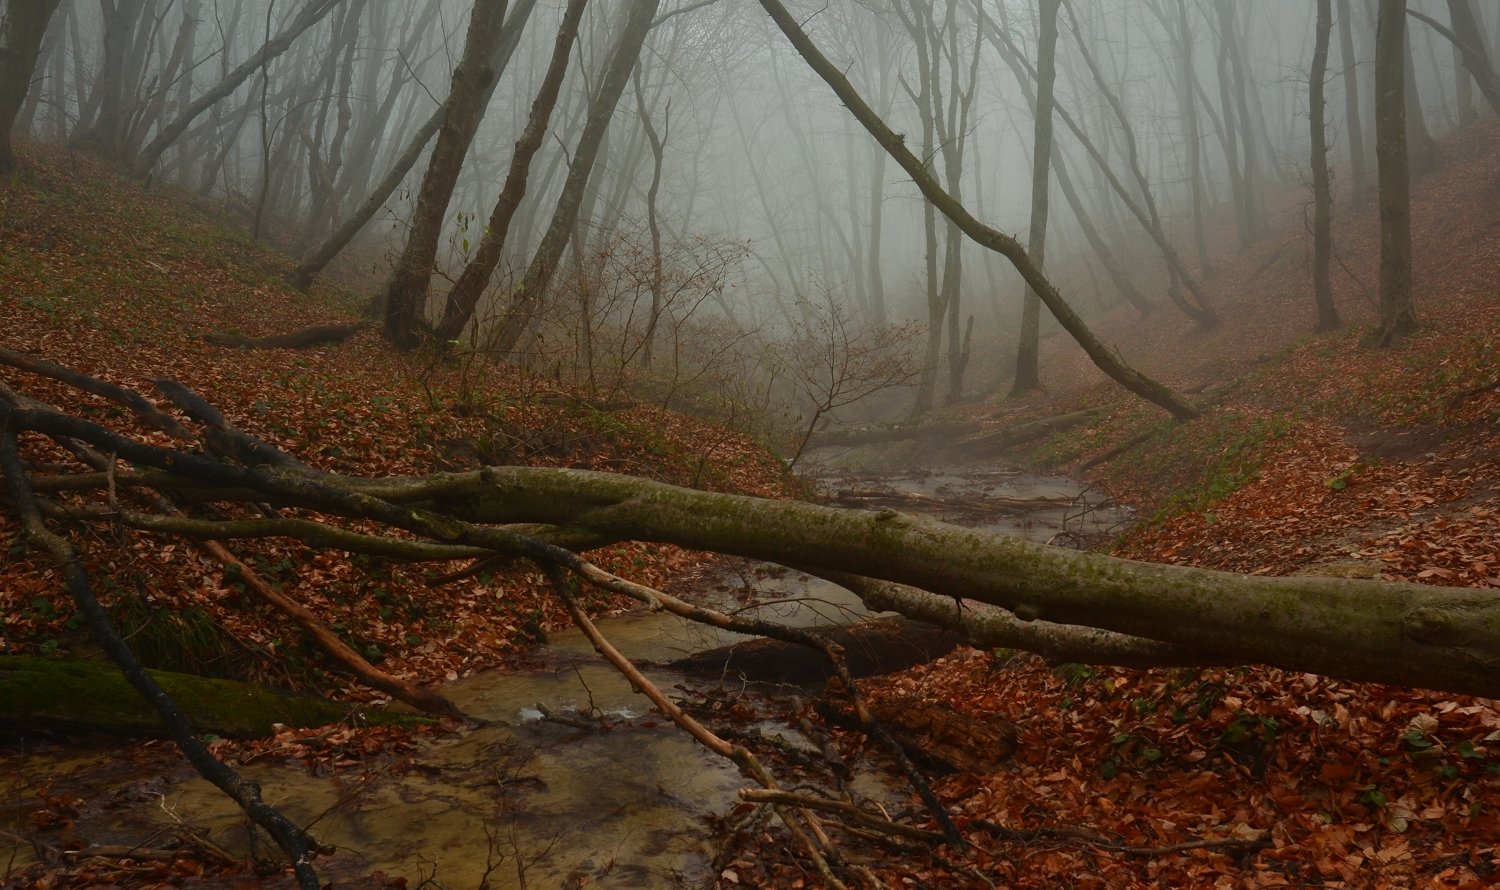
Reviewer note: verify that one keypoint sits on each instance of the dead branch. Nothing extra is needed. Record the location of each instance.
(317, 335)
(298, 846)
(737, 754)
(222, 436)
(136, 402)
(844, 810)
(1244, 844)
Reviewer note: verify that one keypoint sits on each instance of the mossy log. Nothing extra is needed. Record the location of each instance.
(1406, 634)
(94, 696)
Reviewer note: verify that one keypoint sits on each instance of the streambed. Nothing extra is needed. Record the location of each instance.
(571, 780)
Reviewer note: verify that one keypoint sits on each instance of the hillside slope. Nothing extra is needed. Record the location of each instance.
(123, 285)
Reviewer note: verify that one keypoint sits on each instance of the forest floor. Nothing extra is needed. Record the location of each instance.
(1327, 456)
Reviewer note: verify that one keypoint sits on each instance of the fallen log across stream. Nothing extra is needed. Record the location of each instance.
(1060, 603)
(1400, 633)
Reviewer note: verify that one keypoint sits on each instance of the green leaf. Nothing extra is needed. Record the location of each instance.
(1416, 739)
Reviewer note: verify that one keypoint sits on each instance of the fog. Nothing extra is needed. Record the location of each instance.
(773, 210)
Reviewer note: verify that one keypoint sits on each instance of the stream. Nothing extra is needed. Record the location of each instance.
(572, 780)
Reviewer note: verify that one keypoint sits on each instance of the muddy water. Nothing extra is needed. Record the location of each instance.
(530, 798)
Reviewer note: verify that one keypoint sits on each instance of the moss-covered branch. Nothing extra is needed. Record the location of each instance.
(95, 696)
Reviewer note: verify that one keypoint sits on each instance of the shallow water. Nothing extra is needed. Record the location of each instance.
(534, 801)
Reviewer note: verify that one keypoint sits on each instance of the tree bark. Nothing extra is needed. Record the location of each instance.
(1028, 377)
(981, 234)
(1328, 316)
(464, 296)
(403, 305)
(1397, 314)
(532, 292)
(21, 30)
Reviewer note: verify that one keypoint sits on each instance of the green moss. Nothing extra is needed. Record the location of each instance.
(95, 696)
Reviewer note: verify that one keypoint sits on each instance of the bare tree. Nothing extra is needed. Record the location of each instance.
(1397, 315)
(532, 292)
(985, 236)
(21, 28)
(1027, 376)
(464, 296)
(1328, 316)
(310, 14)
(403, 304)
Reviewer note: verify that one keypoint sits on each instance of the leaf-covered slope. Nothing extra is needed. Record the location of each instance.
(123, 284)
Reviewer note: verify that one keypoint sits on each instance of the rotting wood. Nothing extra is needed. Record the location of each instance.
(869, 648)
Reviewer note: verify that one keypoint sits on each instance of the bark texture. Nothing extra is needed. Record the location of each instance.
(1328, 316)
(21, 29)
(1397, 315)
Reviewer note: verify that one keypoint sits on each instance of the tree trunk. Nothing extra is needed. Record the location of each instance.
(1187, 98)
(1018, 64)
(1359, 177)
(1405, 634)
(404, 303)
(529, 297)
(464, 296)
(1397, 315)
(1421, 148)
(1328, 316)
(1203, 312)
(21, 30)
(1027, 374)
(1468, 43)
(653, 226)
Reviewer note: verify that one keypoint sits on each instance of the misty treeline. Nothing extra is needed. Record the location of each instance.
(736, 204)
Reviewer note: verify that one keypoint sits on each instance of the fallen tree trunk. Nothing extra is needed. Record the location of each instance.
(317, 335)
(893, 432)
(869, 648)
(1406, 634)
(992, 443)
(93, 696)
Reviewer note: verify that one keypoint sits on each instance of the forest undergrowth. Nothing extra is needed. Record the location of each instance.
(1326, 456)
